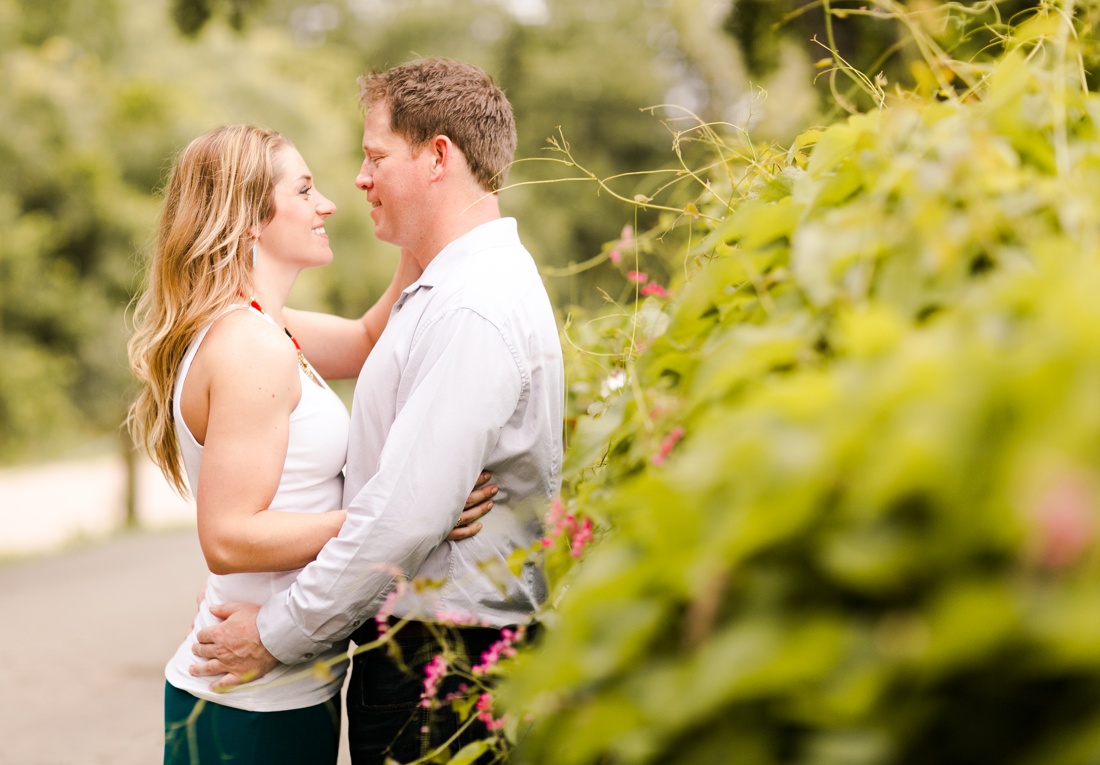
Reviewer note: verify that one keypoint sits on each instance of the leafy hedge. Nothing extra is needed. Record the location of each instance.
(845, 478)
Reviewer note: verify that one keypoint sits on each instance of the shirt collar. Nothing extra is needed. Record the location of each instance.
(497, 233)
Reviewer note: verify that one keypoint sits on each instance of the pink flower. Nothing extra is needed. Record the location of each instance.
(556, 514)
(1066, 523)
(581, 538)
(382, 617)
(626, 236)
(465, 618)
(667, 445)
(433, 673)
(637, 276)
(485, 712)
(564, 523)
(653, 288)
(503, 647)
(615, 256)
(458, 693)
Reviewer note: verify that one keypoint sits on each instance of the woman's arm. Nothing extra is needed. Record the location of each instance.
(248, 371)
(337, 347)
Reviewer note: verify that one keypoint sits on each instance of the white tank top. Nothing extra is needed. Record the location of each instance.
(312, 482)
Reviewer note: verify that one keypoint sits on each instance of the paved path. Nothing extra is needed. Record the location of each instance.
(85, 637)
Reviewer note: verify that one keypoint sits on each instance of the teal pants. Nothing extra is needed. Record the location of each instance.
(198, 732)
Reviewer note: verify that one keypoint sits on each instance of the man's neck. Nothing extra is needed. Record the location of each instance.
(462, 221)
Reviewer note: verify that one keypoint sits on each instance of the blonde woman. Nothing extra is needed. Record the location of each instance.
(231, 407)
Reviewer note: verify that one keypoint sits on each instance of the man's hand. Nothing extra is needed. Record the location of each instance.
(477, 504)
(233, 647)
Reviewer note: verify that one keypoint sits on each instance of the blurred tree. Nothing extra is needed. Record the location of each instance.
(92, 109)
(191, 16)
(96, 97)
(588, 69)
(869, 36)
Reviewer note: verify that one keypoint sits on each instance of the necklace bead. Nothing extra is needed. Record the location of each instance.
(301, 356)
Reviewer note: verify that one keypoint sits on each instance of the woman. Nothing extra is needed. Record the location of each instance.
(229, 399)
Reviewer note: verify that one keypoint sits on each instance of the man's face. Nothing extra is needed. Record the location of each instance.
(396, 180)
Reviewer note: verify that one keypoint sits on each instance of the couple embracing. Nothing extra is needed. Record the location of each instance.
(459, 374)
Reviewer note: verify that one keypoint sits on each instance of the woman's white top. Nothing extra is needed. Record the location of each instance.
(312, 482)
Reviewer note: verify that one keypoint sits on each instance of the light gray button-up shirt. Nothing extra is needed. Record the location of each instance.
(467, 375)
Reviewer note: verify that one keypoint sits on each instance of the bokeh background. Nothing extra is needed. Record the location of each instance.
(96, 97)
(826, 275)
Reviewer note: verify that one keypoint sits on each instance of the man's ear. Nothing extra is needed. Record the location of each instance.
(446, 157)
(443, 153)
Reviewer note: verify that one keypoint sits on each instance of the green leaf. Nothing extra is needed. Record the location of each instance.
(469, 753)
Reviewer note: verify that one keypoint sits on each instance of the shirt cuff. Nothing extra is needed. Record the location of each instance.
(282, 636)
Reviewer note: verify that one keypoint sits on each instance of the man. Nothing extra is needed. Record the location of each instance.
(468, 373)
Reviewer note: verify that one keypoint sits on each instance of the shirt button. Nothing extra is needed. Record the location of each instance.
(309, 656)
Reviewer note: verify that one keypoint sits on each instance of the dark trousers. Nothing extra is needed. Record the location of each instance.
(198, 732)
(385, 718)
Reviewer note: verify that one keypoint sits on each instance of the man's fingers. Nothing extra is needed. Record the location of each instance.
(225, 610)
(227, 682)
(205, 650)
(483, 478)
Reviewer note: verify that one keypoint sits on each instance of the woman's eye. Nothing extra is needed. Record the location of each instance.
(306, 190)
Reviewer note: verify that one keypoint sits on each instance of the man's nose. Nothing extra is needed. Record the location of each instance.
(364, 180)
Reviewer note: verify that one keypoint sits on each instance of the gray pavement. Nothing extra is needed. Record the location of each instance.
(84, 640)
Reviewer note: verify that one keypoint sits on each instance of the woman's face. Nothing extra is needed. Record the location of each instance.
(296, 232)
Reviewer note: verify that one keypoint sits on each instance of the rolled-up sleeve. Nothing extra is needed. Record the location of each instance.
(461, 385)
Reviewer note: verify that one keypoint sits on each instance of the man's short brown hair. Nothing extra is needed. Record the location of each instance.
(439, 96)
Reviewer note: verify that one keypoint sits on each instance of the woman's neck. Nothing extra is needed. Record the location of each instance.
(271, 295)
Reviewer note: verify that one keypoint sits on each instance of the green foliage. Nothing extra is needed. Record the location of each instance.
(92, 119)
(903, 43)
(845, 478)
(584, 68)
(190, 16)
(98, 96)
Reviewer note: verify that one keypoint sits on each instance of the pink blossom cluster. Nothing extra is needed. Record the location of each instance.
(506, 646)
(581, 537)
(561, 521)
(434, 672)
(459, 618)
(626, 242)
(382, 617)
(1065, 520)
(667, 444)
(485, 712)
(648, 287)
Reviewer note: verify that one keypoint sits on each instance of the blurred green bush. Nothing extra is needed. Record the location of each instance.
(846, 477)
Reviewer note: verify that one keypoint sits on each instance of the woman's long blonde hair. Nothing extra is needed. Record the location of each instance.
(219, 195)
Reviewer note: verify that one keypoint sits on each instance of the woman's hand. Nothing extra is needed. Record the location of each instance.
(477, 504)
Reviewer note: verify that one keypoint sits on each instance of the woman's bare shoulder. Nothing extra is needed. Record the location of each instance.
(245, 341)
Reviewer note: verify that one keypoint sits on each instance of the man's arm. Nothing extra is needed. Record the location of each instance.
(461, 386)
(233, 647)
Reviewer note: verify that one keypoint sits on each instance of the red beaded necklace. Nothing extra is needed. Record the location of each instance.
(301, 356)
